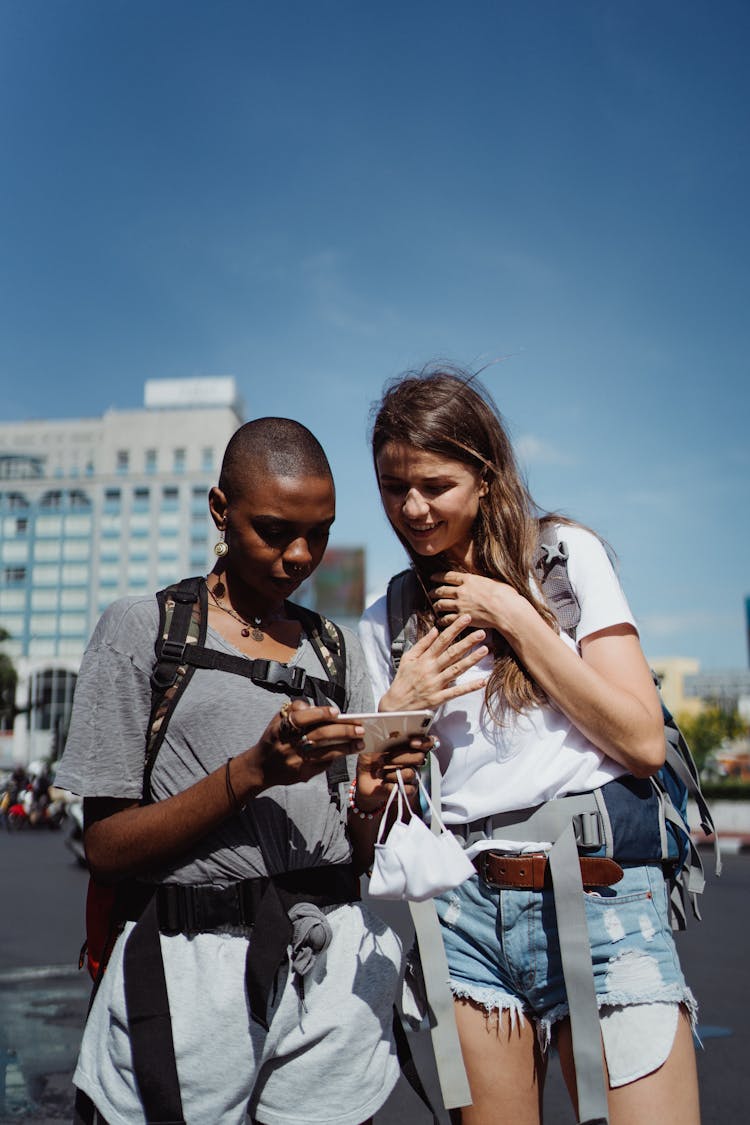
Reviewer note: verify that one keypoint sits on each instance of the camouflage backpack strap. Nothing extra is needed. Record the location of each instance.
(182, 621)
(328, 641)
(551, 569)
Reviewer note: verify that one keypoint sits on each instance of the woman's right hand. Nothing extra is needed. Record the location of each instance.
(301, 741)
(123, 837)
(427, 672)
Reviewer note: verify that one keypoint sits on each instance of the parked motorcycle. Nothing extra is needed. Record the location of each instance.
(74, 830)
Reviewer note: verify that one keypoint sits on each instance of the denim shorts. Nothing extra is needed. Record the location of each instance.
(503, 950)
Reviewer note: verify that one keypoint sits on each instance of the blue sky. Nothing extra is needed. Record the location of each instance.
(315, 195)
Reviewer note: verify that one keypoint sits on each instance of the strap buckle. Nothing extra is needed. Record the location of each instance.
(172, 651)
(270, 673)
(588, 829)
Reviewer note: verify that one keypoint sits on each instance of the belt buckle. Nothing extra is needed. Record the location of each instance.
(483, 868)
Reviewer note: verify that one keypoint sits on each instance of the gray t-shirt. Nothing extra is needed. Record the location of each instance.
(218, 715)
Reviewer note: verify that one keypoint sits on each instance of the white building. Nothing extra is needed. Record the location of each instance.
(91, 510)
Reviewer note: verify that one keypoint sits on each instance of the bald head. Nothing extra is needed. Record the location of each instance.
(270, 447)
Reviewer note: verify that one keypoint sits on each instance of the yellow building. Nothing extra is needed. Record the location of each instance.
(672, 671)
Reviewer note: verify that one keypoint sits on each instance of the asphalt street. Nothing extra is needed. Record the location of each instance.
(43, 997)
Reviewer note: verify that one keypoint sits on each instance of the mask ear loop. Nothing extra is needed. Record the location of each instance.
(395, 792)
(434, 813)
(402, 794)
(436, 817)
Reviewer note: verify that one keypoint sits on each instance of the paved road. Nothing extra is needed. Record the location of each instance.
(43, 998)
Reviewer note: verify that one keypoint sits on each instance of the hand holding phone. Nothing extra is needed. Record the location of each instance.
(384, 729)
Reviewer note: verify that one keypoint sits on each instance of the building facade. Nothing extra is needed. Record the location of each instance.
(92, 510)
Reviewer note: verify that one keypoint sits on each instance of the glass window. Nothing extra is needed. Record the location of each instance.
(166, 574)
(180, 459)
(77, 525)
(44, 599)
(14, 574)
(73, 599)
(122, 461)
(51, 499)
(51, 692)
(73, 572)
(67, 647)
(207, 459)
(46, 575)
(43, 623)
(73, 624)
(76, 549)
(49, 526)
(47, 549)
(14, 552)
(12, 599)
(15, 500)
(141, 498)
(12, 623)
(151, 461)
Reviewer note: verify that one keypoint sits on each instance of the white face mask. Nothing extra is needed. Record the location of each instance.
(414, 862)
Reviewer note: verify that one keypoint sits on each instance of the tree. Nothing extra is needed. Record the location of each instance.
(8, 680)
(707, 730)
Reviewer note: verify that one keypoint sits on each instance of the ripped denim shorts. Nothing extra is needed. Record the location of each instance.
(503, 950)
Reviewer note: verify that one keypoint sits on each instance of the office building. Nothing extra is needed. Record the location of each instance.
(93, 509)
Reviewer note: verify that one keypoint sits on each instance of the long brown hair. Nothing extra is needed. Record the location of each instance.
(446, 411)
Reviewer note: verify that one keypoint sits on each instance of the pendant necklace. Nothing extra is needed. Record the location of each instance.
(249, 629)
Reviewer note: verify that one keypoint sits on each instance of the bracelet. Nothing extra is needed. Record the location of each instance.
(352, 804)
(234, 801)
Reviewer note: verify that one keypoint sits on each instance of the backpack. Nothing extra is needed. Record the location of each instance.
(671, 787)
(179, 650)
(624, 819)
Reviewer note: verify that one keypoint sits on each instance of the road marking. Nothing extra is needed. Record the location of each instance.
(43, 972)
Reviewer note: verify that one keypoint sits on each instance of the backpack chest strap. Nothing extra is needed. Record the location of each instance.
(268, 674)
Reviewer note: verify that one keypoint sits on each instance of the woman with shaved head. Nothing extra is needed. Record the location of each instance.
(232, 813)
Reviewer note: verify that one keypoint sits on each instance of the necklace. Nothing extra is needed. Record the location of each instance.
(248, 629)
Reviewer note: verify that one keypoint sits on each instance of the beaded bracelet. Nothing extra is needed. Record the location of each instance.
(352, 805)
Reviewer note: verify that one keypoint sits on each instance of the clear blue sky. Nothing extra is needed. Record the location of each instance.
(313, 195)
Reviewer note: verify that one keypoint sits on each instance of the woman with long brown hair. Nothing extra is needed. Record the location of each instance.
(561, 715)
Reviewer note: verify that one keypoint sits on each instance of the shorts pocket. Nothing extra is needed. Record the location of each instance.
(633, 909)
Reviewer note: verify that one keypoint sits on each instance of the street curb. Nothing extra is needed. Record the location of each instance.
(730, 844)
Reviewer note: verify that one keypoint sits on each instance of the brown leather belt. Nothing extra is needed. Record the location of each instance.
(531, 871)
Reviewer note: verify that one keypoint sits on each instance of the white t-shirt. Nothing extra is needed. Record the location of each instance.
(531, 758)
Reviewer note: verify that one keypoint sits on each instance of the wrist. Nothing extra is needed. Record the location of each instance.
(509, 611)
(354, 807)
(391, 702)
(247, 775)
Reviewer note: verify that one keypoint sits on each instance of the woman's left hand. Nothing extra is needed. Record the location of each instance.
(483, 598)
(376, 773)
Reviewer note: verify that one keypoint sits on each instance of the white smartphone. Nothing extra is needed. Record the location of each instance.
(387, 728)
